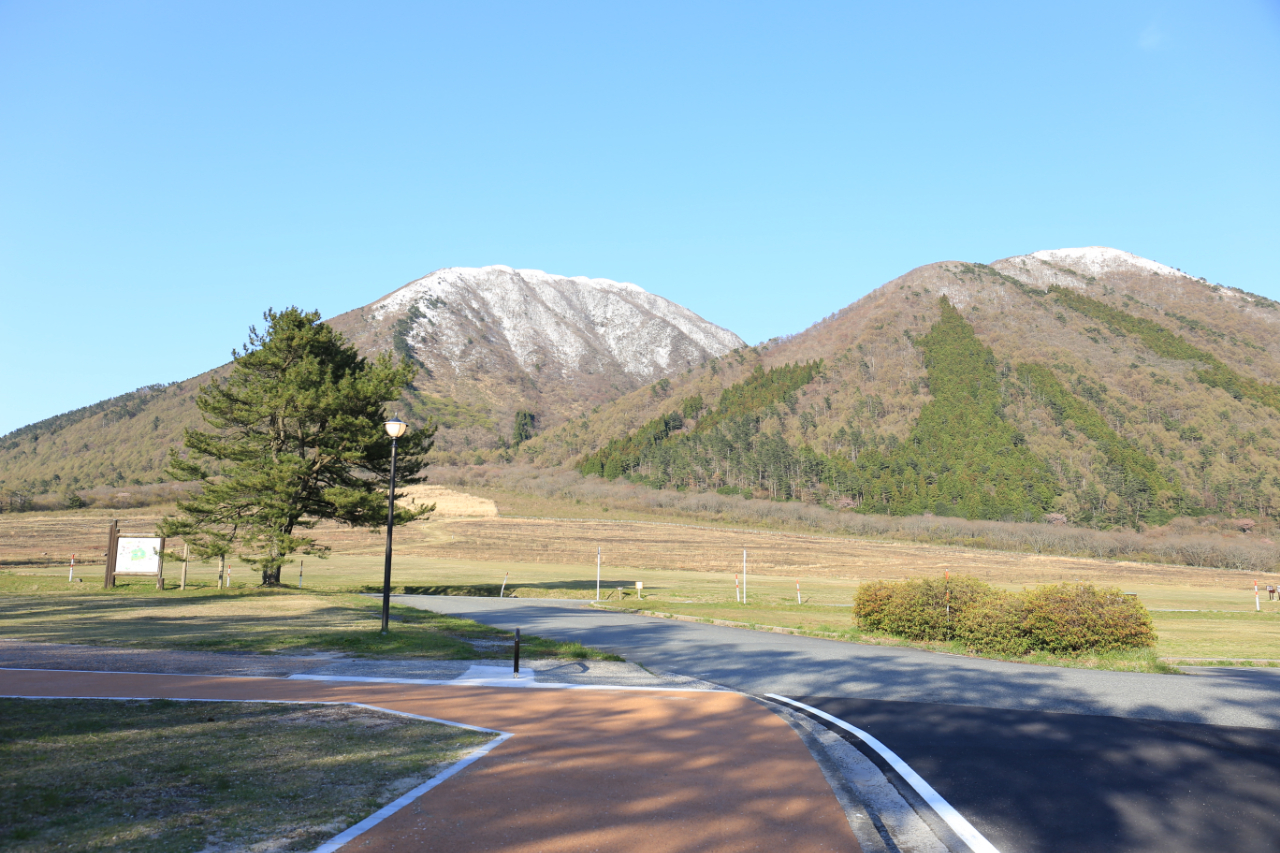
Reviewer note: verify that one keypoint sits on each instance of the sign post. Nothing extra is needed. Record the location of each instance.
(134, 555)
(113, 533)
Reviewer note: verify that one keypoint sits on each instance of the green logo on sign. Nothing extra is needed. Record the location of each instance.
(138, 554)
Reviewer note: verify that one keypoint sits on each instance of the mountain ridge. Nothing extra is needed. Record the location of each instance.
(1199, 415)
(500, 365)
(1143, 391)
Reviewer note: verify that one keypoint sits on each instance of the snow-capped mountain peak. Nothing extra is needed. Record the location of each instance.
(551, 322)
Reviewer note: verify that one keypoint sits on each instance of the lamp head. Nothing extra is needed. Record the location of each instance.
(396, 428)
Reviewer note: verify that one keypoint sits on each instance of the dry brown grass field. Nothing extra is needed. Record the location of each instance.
(685, 568)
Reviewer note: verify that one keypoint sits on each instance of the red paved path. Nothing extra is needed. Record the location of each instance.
(586, 770)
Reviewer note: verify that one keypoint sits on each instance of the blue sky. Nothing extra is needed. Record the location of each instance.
(170, 170)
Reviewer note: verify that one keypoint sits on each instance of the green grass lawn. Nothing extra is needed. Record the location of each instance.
(164, 777)
(1218, 635)
(247, 619)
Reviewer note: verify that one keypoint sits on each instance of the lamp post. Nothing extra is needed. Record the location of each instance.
(395, 428)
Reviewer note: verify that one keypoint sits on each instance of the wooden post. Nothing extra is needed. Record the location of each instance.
(160, 568)
(186, 553)
(113, 533)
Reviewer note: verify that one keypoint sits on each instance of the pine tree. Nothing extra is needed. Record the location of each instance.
(299, 439)
(524, 426)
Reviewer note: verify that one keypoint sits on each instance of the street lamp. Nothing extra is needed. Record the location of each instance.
(396, 428)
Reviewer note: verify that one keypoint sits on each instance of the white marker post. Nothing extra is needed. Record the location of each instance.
(1257, 603)
(71, 575)
(503, 591)
(797, 592)
(744, 575)
(186, 553)
(597, 573)
(737, 590)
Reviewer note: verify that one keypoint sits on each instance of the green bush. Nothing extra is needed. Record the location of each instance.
(1069, 618)
(1063, 619)
(917, 609)
(995, 626)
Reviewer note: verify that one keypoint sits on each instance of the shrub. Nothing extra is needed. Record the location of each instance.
(1068, 618)
(996, 625)
(917, 609)
(871, 603)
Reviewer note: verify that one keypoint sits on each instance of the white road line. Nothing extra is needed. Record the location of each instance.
(976, 840)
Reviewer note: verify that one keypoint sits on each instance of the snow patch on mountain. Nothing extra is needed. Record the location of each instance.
(573, 323)
(1099, 260)
(1076, 268)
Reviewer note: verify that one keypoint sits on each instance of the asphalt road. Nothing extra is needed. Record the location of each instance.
(1039, 782)
(1039, 759)
(759, 663)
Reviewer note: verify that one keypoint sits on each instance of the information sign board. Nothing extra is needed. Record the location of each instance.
(138, 555)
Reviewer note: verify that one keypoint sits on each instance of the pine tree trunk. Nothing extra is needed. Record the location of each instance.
(271, 577)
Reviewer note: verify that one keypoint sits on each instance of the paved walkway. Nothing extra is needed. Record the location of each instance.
(585, 770)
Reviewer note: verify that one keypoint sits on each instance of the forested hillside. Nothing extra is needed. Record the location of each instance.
(1023, 389)
(961, 457)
